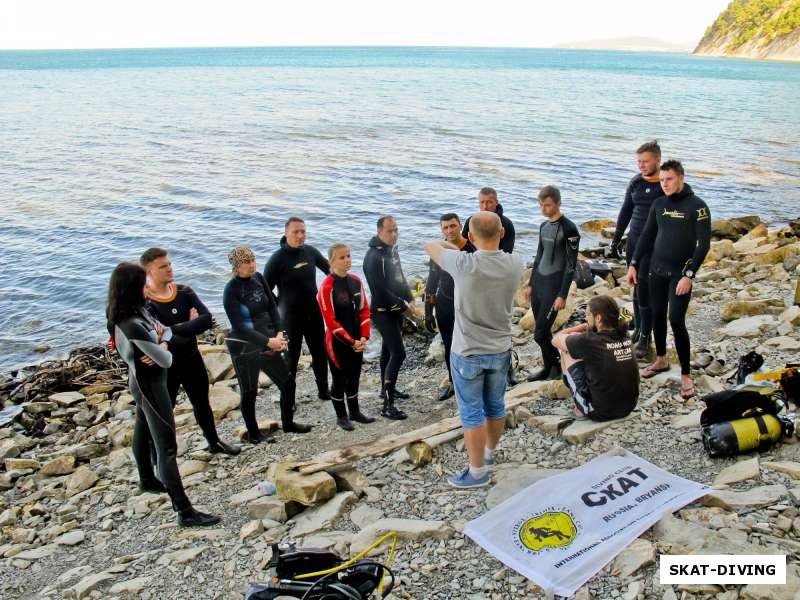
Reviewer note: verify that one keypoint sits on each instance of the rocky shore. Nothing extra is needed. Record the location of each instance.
(75, 526)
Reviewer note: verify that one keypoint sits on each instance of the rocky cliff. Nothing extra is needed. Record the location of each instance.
(762, 29)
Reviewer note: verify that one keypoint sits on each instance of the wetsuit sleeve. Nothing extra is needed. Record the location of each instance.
(509, 238)
(325, 301)
(363, 313)
(572, 241)
(432, 284)
(322, 262)
(233, 308)
(272, 269)
(140, 337)
(202, 323)
(645, 244)
(274, 314)
(702, 231)
(376, 278)
(537, 258)
(624, 217)
(465, 229)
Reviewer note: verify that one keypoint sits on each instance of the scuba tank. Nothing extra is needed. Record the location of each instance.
(730, 438)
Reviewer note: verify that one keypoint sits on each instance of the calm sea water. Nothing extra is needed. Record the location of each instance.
(105, 153)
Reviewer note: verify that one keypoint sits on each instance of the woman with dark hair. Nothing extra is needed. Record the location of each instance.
(141, 342)
(598, 363)
(256, 342)
(345, 310)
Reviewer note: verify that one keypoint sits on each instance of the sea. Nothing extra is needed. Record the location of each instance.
(105, 153)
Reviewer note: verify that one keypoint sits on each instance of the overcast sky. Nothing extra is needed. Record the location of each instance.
(175, 23)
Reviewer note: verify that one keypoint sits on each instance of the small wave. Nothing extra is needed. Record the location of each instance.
(706, 173)
(610, 136)
(176, 190)
(778, 143)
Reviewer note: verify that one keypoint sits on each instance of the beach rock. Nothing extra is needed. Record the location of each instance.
(748, 327)
(67, 399)
(677, 536)
(218, 365)
(80, 480)
(265, 426)
(35, 408)
(597, 225)
(21, 463)
(37, 553)
(580, 431)
(791, 315)
(783, 343)
(322, 516)
(180, 557)
(63, 465)
(737, 309)
(788, 591)
(250, 529)
(272, 507)
(692, 420)
(364, 515)
(528, 321)
(71, 538)
(338, 541)
(550, 423)
(753, 498)
(190, 467)
(223, 400)
(792, 469)
(740, 471)
(306, 489)
(769, 254)
(720, 250)
(407, 529)
(513, 481)
(87, 585)
(246, 496)
(351, 480)
(130, 587)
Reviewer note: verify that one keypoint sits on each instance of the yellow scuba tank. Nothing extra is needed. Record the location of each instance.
(743, 435)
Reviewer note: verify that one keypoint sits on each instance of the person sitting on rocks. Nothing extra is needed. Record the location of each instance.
(598, 363)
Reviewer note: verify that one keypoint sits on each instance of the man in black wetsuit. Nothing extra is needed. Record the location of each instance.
(293, 270)
(487, 200)
(642, 190)
(391, 299)
(178, 307)
(678, 233)
(440, 293)
(552, 274)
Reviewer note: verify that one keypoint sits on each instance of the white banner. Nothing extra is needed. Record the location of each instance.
(562, 530)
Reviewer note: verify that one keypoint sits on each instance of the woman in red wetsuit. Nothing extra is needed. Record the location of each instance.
(345, 310)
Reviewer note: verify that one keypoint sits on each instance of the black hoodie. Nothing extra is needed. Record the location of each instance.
(678, 230)
(507, 241)
(387, 284)
(293, 271)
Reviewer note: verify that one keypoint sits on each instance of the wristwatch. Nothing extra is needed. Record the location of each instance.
(689, 274)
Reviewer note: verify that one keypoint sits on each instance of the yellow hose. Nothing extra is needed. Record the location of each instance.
(359, 556)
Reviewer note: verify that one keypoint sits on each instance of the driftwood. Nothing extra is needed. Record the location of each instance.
(424, 435)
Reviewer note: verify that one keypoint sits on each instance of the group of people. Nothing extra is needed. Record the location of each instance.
(474, 275)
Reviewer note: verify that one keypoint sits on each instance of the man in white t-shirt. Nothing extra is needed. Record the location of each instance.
(485, 284)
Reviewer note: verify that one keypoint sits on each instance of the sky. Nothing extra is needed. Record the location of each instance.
(63, 24)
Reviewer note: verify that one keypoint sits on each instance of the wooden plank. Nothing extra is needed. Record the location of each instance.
(381, 446)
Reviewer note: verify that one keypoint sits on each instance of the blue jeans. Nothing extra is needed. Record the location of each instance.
(480, 384)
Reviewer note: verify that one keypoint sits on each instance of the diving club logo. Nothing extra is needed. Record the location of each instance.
(551, 529)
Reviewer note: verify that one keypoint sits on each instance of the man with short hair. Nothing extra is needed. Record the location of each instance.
(485, 283)
(178, 307)
(487, 201)
(551, 276)
(678, 233)
(439, 293)
(292, 269)
(642, 190)
(391, 299)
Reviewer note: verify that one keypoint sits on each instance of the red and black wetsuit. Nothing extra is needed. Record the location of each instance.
(345, 309)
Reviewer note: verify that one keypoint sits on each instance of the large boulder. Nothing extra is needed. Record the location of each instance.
(79, 481)
(322, 516)
(218, 365)
(406, 529)
(769, 254)
(720, 250)
(737, 309)
(753, 498)
(223, 400)
(308, 490)
(597, 225)
(748, 327)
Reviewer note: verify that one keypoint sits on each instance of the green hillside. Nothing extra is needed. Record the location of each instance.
(745, 20)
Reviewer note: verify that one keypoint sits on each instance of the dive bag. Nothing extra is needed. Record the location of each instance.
(739, 421)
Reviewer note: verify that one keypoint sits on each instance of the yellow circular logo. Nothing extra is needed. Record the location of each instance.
(548, 530)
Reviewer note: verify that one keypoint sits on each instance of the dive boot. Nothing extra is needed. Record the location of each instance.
(191, 517)
(390, 411)
(356, 414)
(642, 348)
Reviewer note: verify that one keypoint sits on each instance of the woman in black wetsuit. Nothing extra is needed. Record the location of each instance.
(141, 342)
(256, 342)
